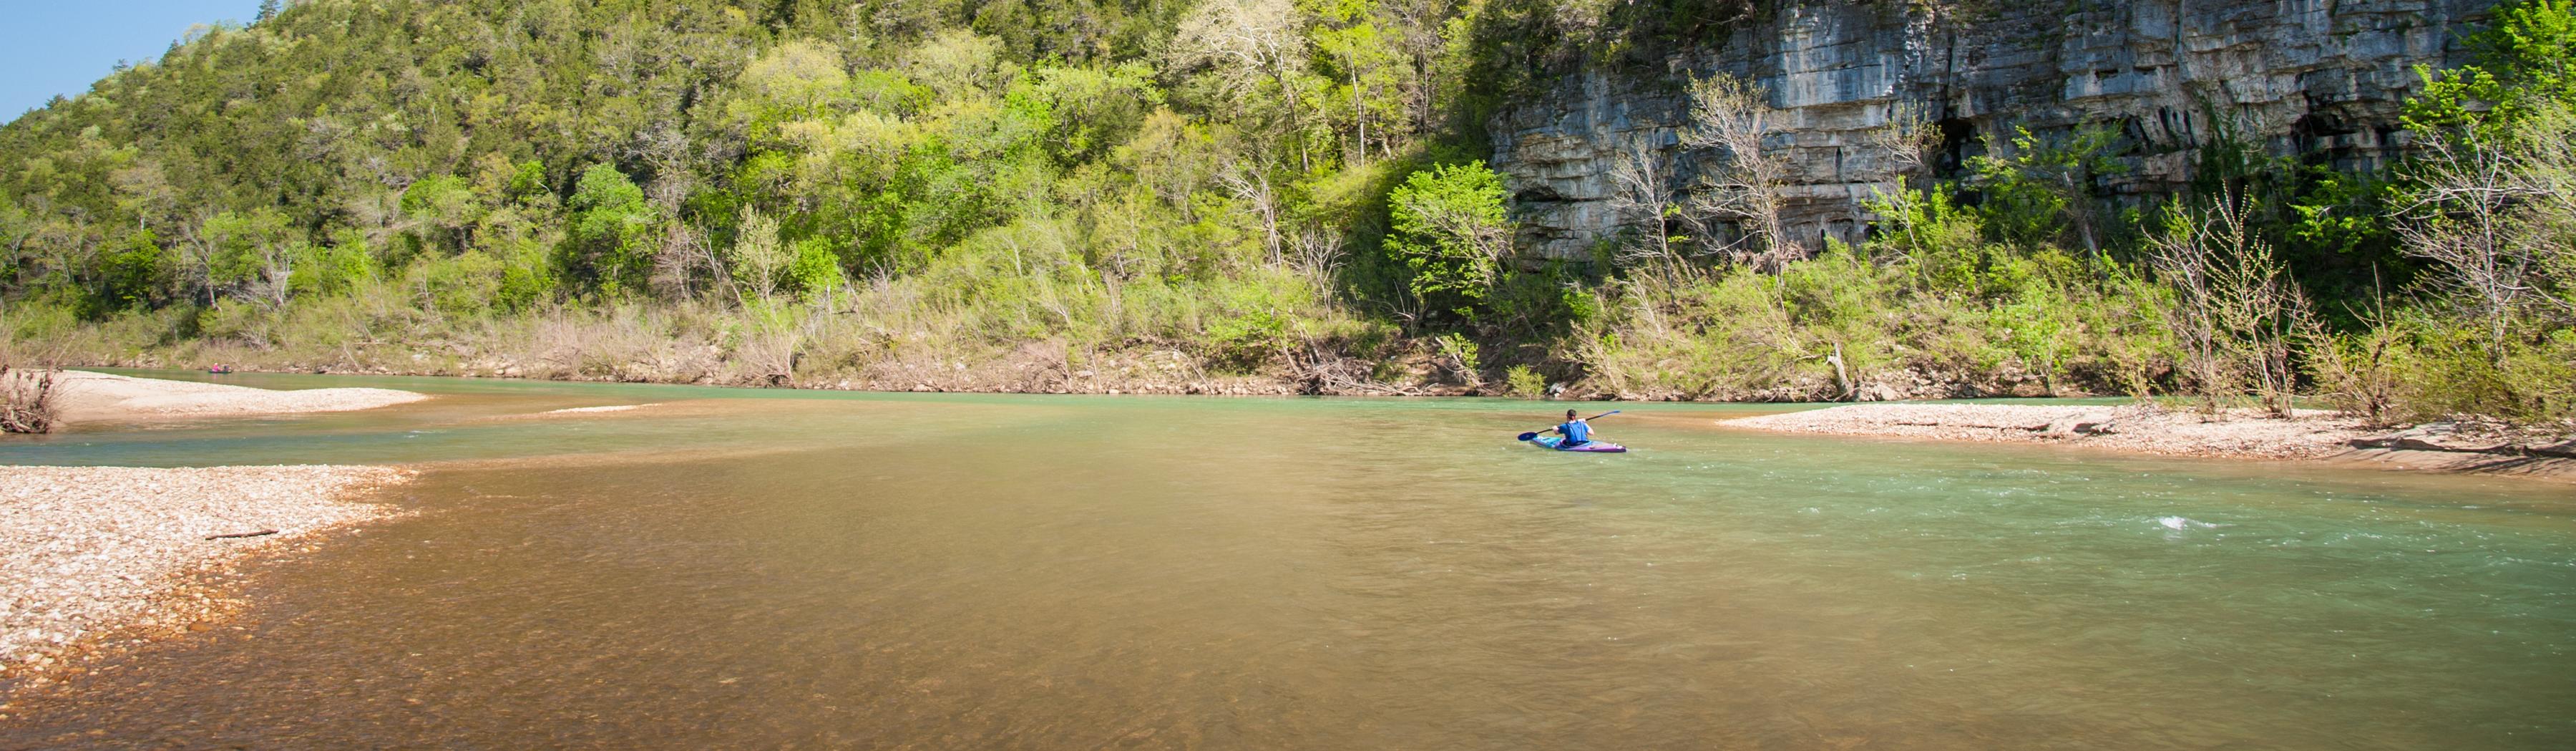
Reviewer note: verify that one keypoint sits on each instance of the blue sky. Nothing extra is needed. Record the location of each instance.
(62, 46)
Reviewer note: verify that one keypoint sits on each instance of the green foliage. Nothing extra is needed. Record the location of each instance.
(250, 254)
(2491, 200)
(1980, 314)
(1525, 383)
(440, 208)
(816, 271)
(1450, 231)
(1463, 355)
(2525, 58)
(2444, 368)
(854, 190)
(325, 270)
(527, 180)
(2041, 189)
(611, 226)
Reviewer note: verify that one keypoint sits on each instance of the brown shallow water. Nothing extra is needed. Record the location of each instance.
(1028, 572)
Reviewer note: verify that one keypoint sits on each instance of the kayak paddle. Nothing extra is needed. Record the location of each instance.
(1534, 434)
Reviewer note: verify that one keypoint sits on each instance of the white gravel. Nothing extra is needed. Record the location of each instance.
(588, 410)
(83, 395)
(2245, 434)
(83, 549)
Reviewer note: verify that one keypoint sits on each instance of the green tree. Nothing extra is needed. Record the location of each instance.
(1451, 231)
(2041, 189)
(2524, 59)
(612, 227)
(800, 76)
(440, 209)
(251, 254)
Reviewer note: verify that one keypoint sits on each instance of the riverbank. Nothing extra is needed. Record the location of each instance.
(86, 551)
(81, 396)
(2310, 435)
(1026, 370)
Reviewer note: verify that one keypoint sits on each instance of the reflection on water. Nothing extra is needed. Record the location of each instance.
(1026, 572)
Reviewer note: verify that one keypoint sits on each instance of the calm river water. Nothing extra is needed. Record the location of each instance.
(800, 569)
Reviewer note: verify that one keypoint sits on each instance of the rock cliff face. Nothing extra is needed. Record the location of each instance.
(2323, 78)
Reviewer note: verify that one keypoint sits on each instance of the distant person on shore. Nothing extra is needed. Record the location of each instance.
(1576, 431)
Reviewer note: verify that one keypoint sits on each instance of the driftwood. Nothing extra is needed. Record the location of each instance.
(261, 533)
(2091, 424)
(27, 399)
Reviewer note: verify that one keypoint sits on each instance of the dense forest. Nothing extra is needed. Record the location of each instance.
(1049, 195)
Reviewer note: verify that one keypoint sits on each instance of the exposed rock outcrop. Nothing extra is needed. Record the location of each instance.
(2324, 78)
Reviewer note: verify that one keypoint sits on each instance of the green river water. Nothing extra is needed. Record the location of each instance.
(773, 569)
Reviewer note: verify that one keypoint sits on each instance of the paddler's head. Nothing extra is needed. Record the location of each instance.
(1569, 415)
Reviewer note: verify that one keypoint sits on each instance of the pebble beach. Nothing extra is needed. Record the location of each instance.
(2232, 434)
(2227, 434)
(85, 549)
(86, 396)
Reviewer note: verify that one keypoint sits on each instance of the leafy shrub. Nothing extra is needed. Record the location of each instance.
(1524, 382)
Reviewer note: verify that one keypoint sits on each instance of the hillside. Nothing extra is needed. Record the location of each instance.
(1708, 199)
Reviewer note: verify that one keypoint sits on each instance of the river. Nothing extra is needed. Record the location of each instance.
(773, 569)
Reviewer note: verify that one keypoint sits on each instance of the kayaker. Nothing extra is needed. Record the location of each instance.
(1576, 431)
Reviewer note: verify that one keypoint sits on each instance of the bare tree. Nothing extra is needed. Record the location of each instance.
(2356, 373)
(1243, 42)
(2236, 310)
(1907, 141)
(1743, 190)
(1319, 251)
(1249, 183)
(2497, 220)
(757, 256)
(1643, 197)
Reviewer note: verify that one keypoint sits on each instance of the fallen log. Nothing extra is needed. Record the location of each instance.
(261, 533)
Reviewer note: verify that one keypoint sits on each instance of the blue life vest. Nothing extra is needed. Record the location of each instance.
(1576, 433)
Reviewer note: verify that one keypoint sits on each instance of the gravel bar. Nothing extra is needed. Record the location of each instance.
(84, 396)
(86, 549)
(2234, 434)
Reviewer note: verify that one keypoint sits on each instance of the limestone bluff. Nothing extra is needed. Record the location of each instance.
(2323, 79)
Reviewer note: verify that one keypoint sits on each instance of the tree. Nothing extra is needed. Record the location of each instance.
(252, 254)
(1243, 43)
(799, 75)
(611, 227)
(1642, 195)
(2490, 201)
(1369, 63)
(441, 208)
(2236, 310)
(1451, 232)
(1742, 191)
(2040, 188)
(2525, 58)
(757, 257)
